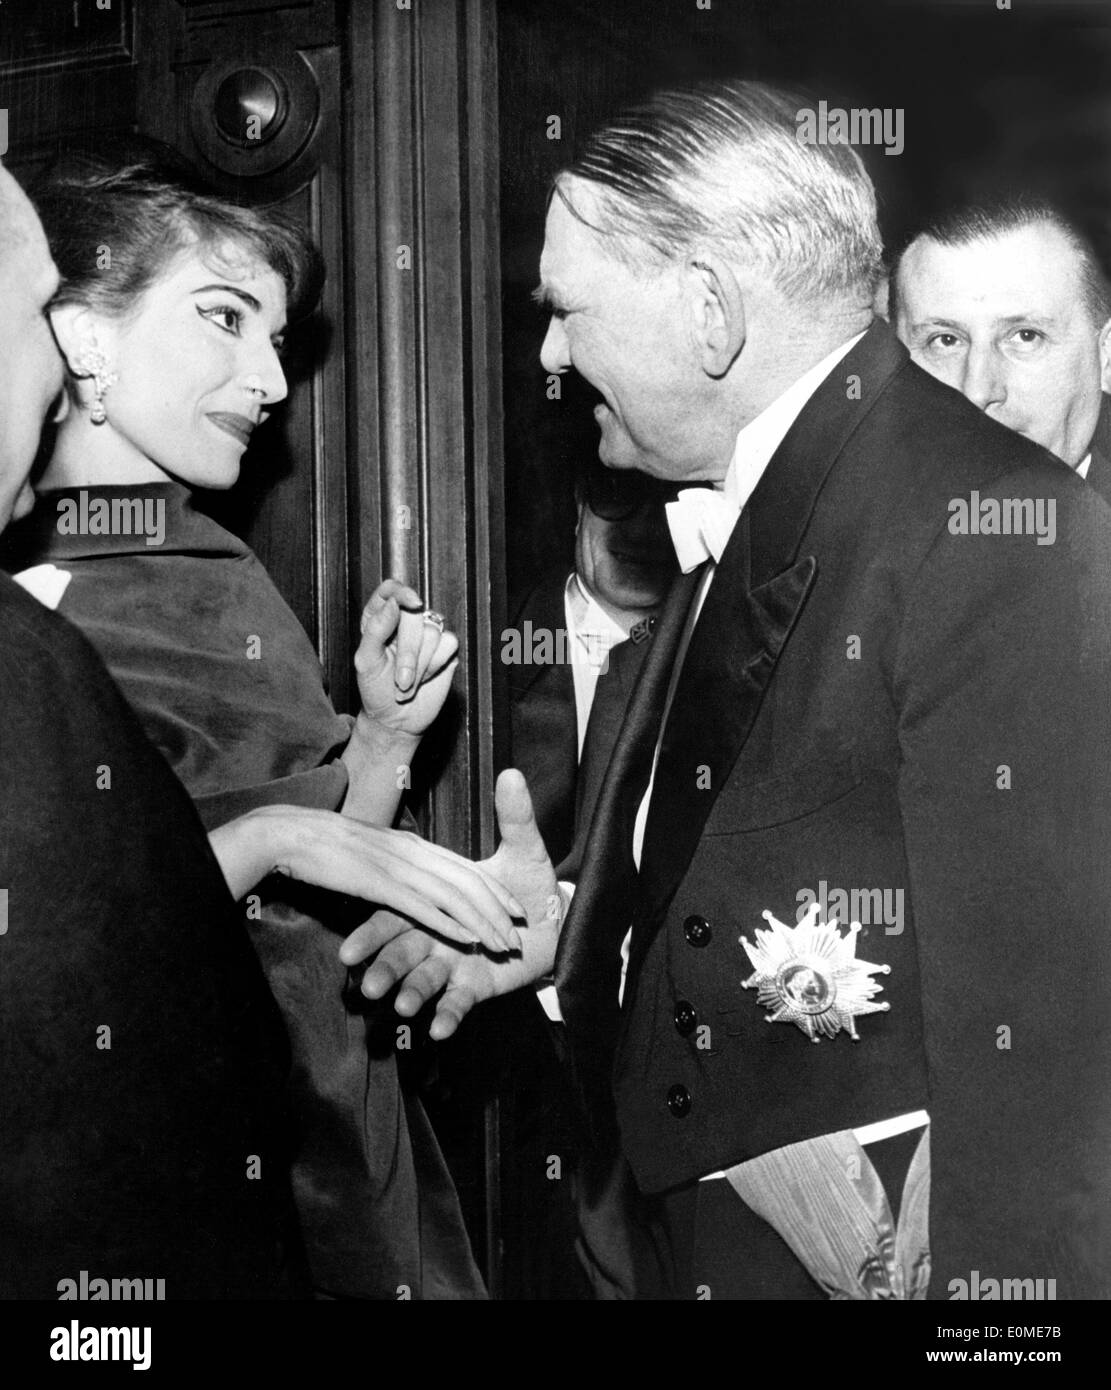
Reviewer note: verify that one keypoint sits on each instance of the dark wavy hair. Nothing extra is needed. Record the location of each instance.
(144, 204)
(961, 224)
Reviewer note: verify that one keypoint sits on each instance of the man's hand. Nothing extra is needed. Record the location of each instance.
(521, 862)
(424, 967)
(404, 665)
(441, 890)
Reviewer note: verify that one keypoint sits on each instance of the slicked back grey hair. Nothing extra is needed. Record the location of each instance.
(720, 165)
(964, 223)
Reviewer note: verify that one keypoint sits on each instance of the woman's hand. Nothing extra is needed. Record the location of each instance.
(404, 663)
(430, 885)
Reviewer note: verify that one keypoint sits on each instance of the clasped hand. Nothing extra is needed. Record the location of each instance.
(425, 967)
(444, 892)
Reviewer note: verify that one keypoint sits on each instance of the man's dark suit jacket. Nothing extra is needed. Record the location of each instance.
(142, 1061)
(545, 727)
(543, 723)
(564, 790)
(872, 701)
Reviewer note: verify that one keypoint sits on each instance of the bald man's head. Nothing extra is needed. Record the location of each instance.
(30, 364)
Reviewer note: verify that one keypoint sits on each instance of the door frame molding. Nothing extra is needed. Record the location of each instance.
(425, 453)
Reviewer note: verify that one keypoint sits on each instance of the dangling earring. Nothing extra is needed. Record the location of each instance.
(95, 364)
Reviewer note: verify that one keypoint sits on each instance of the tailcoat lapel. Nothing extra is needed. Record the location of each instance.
(729, 662)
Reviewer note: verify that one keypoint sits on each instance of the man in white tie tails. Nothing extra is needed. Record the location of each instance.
(845, 700)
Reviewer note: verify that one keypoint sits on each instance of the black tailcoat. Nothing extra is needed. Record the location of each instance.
(872, 701)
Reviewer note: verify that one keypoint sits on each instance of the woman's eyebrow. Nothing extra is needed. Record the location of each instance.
(248, 299)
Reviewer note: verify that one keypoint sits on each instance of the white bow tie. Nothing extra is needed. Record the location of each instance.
(701, 520)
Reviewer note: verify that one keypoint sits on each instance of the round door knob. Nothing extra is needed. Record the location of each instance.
(250, 107)
(255, 115)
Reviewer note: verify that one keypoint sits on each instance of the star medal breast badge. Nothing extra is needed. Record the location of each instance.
(809, 975)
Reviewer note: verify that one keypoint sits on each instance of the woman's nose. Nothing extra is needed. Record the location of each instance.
(267, 377)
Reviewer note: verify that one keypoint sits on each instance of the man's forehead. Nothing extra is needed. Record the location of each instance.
(1010, 272)
(557, 232)
(10, 191)
(17, 217)
(570, 245)
(25, 255)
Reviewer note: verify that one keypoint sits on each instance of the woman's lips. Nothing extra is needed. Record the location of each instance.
(238, 426)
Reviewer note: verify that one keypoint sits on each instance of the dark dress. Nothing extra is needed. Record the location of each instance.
(228, 686)
(143, 1132)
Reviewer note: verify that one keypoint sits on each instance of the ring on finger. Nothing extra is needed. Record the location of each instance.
(435, 620)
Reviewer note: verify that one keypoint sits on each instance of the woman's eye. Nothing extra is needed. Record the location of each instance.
(225, 316)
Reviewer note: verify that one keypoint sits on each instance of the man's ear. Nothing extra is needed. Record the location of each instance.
(1105, 356)
(75, 329)
(717, 312)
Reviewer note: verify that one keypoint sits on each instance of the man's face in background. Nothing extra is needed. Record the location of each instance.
(623, 550)
(30, 364)
(1004, 320)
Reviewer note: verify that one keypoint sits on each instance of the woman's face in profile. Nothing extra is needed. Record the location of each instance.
(197, 363)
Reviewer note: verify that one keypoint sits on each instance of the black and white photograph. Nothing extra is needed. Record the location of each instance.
(555, 674)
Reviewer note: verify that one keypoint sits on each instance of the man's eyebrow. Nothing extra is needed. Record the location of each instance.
(1009, 321)
(933, 322)
(248, 299)
(1045, 320)
(547, 297)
